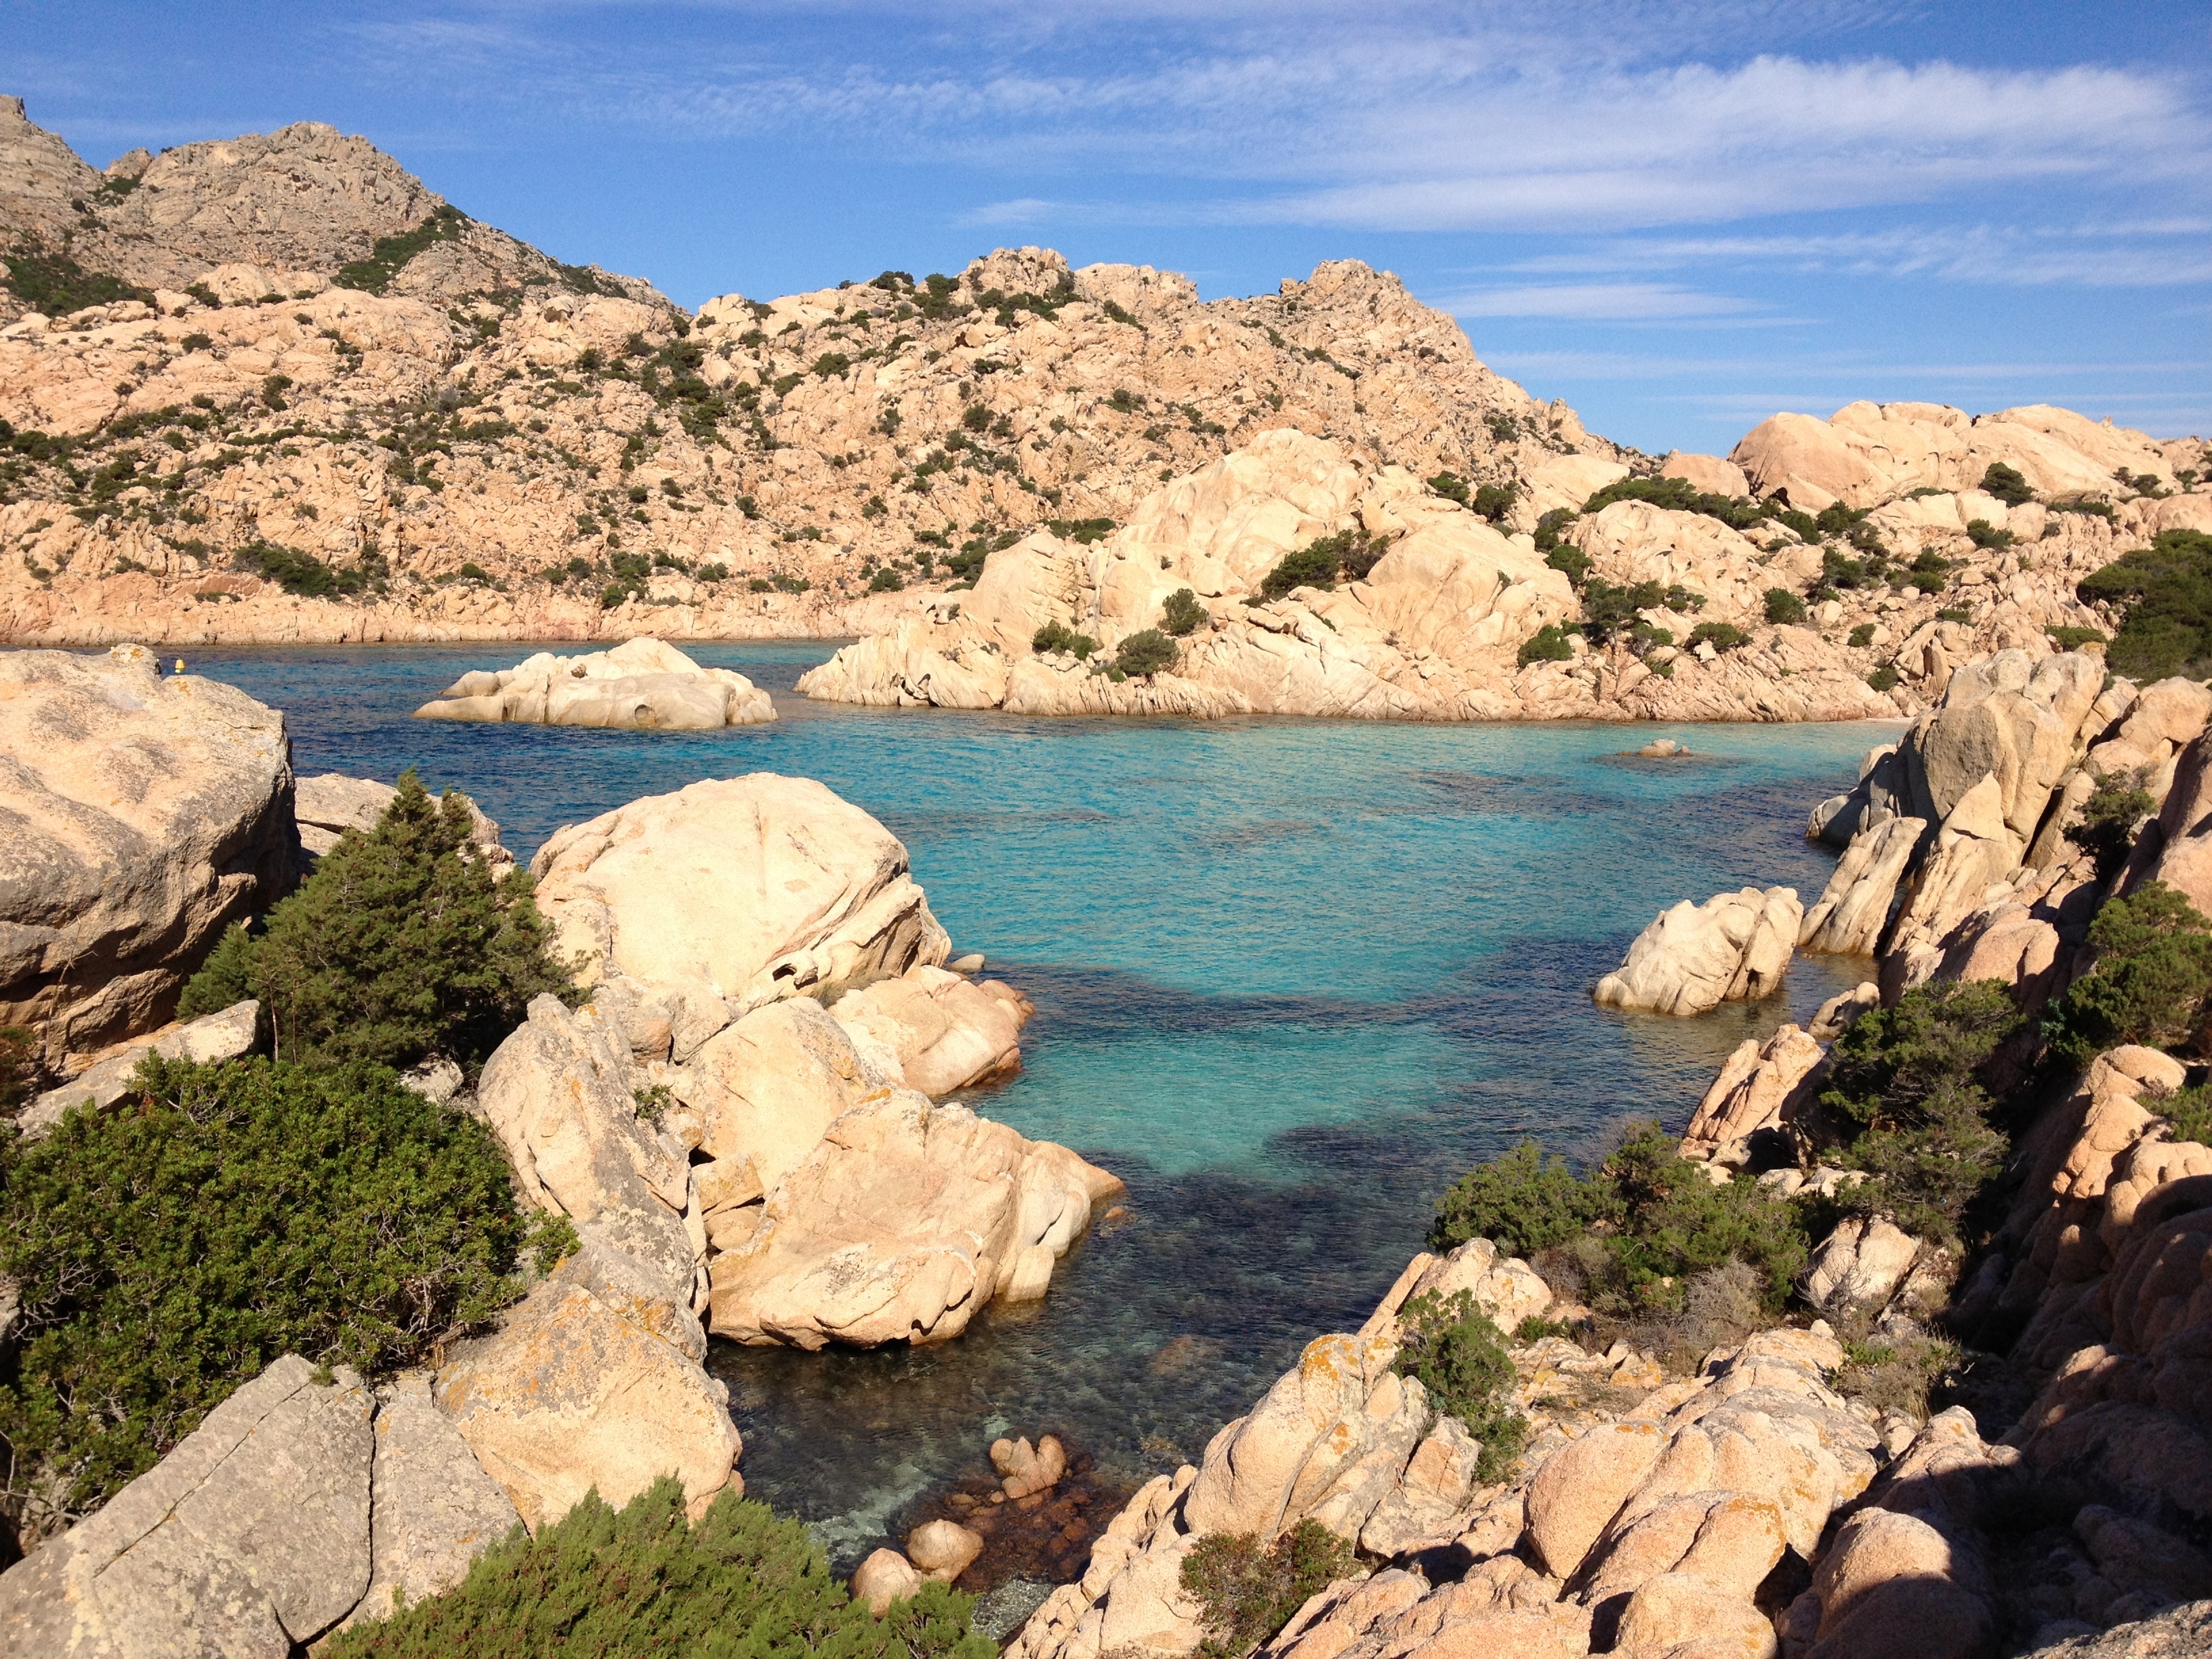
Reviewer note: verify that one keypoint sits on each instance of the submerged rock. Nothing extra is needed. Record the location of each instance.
(641, 682)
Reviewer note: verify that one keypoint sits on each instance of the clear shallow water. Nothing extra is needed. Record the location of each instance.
(1293, 977)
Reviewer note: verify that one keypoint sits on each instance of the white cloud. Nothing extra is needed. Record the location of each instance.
(1595, 301)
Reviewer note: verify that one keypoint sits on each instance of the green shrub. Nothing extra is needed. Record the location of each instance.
(1456, 1352)
(1147, 653)
(1549, 526)
(1450, 486)
(1520, 1202)
(2152, 972)
(1783, 606)
(1907, 1092)
(2006, 483)
(739, 1584)
(1722, 636)
(2109, 816)
(1085, 531)
(1987, 535)
(1931, 572)
(52, 283)
(1182, 614)
(2073, 639)
(2190, 1112)
(1350, 553)
(1494, 502)
(1057, 636)
(398, 946)
(390, 254)
(1883, 679)
(2164, 593)
(307, 576)
(1547, 644)
(885, 580)
(1245, 1594)
(1570, 562)
(237, 1212)
(1863, 636)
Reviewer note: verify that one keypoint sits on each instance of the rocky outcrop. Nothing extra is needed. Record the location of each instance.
(1852, 912)
(752, 889)
(642, 683)
(902, 1223)
(252, 1538)
(143, 814)
(939, 1031)
(1763, 1089)
(222, 1036)
(1734, 947)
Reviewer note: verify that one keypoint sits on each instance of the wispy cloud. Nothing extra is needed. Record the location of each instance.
(1596, 301)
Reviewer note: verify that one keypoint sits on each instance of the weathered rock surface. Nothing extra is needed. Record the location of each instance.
(945, 1031)
(576, 1392)
(1852, 912)
(222, 1036)
(758, 888)
(142, 815)
(252, 1538)
(1765, 1087)
(901, 1223)
(641, 682)
(1734, 946)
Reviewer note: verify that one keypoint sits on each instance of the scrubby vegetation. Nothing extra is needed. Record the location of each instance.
(390, 254)
(1182, 614)
(1722, 636)
(401, 944)
(1784, 606)
(2164, 592)
(166, 1253)
(1058, 636)
(53, 284)
(1247, 1592)
(2006, 483)
(1146, 653)
(739, 1584)
(2106, 830)
(2152, 976)
(1547, 644)
(1350, 554)
(1459, 1356)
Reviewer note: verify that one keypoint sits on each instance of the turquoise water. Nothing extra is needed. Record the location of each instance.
(1291, 977)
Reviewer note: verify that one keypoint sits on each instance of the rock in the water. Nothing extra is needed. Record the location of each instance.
(1764, 1087)
(901, 1223)
(1734, 947)
(225, 1035)
(576, 1392)
(328, 804)
(884, 1577)
(1837, 1012)
(1026, 1469)
(140, 815)
(759, 887)
(942, 1549)
(252, 1538)
(435, 1509)
(1853, 910)
(946, 1032)
(642, 683)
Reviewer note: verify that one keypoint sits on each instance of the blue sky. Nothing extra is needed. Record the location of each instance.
(1680, 217)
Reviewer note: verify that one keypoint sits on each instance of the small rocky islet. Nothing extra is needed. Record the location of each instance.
(1688, 1401)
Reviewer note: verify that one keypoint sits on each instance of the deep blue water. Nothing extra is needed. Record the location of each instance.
(1293, 977)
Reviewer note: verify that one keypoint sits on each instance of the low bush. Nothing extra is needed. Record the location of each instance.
(1570, 562)
(1907, 1093)
(2106, 830)
(1783, 606)
(1883, 679)
(885, 580)
(391, 253)
(1547, 644)
(2164, 592)
(1182, 614)
(1494, 502)
(2153, 974)
(1634, 1231)
(1450, 486)
(1896, 1370)
(2190, 1112)
(1458, 1355)
(1722, 636)
(400, 944)
(307, 576)
(1549, 526)
(1246, 1593)
(2073, 639)
(1147, 653)
(1349, 553)
(1058, 636)
(48, 281)
(737, 1584)
(1861, 636)
(1987, 537)
(234, 1214)
(2006, 483)
(1931, 572)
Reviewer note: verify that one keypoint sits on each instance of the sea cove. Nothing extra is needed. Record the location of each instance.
(1292, 978)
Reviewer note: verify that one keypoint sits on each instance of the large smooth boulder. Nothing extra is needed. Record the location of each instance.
(139, 815)
(1734, 946)
(560, 1098)
(250, 1539)
(642, 683)
(759, 887)
(1853, 910)
(944, 1030)
(575, 1392)
(902, 1223)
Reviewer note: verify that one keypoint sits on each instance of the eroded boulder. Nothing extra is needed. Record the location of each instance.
(944, 1030)
(1736, 946)
(642, 683)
